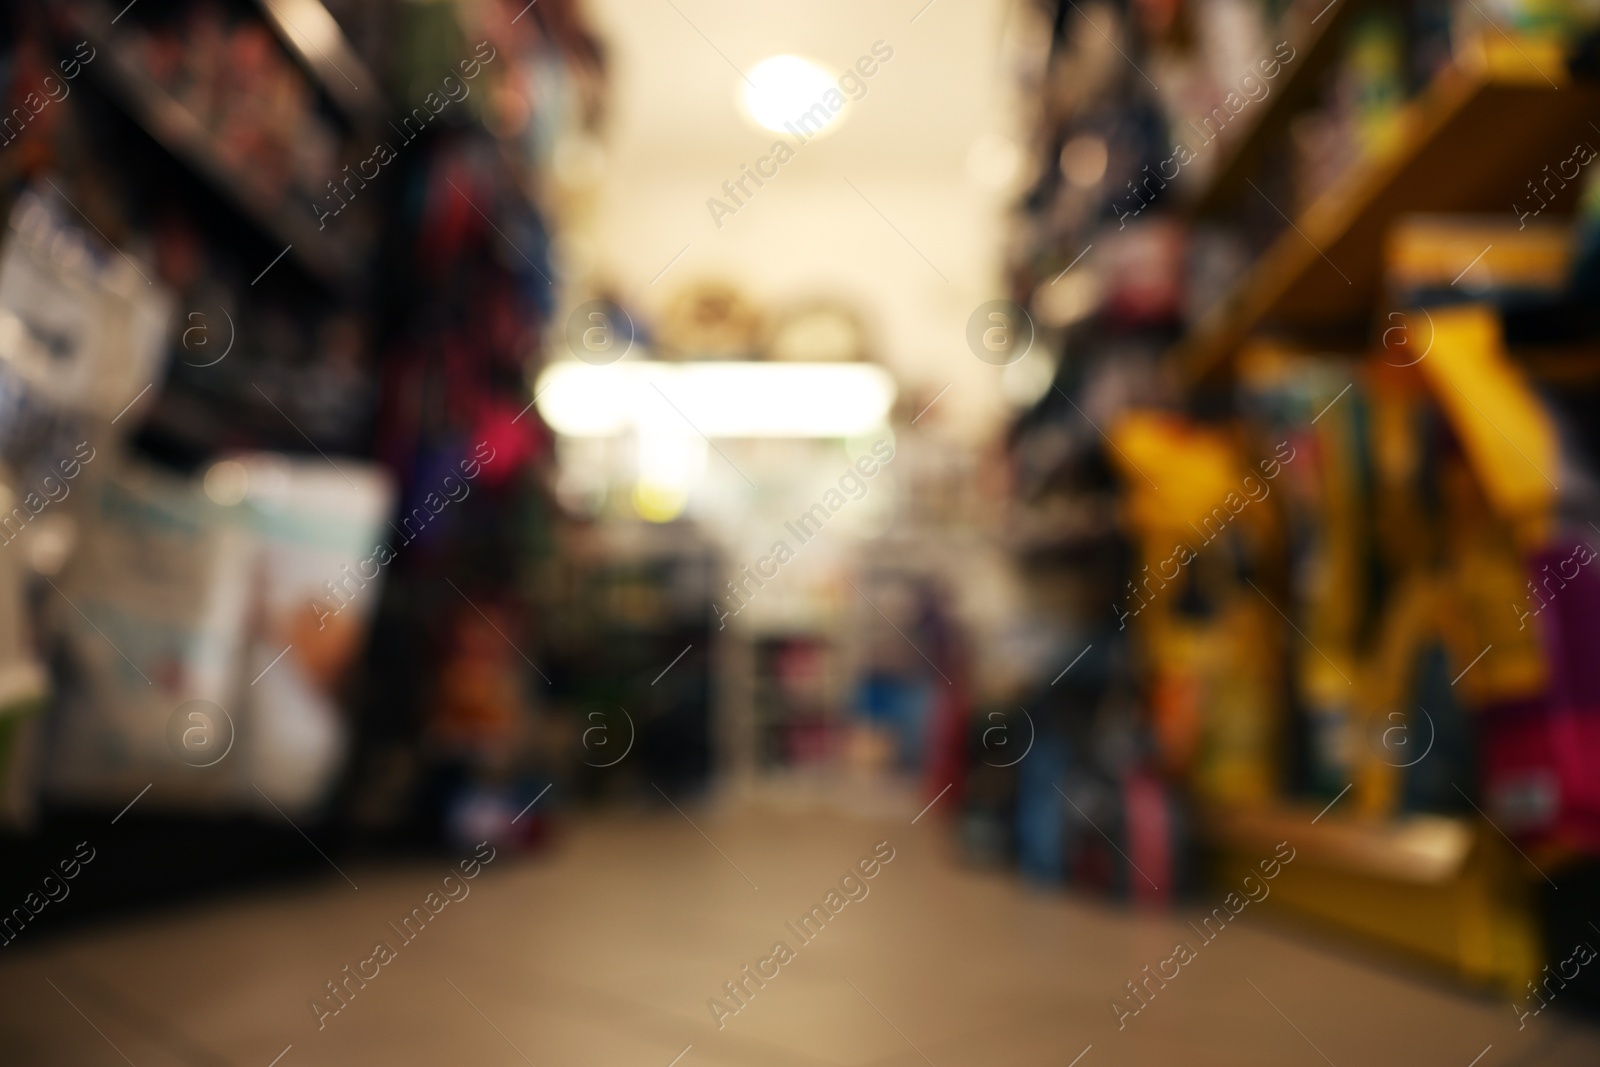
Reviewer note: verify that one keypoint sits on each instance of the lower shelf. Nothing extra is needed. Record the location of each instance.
(1440, 889)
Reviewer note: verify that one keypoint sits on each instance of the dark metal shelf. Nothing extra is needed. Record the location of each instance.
(183, 135)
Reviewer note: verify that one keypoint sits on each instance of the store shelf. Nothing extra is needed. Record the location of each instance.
(1439, 889)
(1419, 849)
(1569, 365)
(1313, 29)
(1472, 141)
(177, 130)
(312, 35)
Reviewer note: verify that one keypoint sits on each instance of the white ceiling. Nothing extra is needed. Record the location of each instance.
(676, 133)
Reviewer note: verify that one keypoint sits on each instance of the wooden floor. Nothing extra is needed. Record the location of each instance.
(606, 951)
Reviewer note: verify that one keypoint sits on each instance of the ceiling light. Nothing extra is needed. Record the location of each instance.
(827, 400)
(782, 89)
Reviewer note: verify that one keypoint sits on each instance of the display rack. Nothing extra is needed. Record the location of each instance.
(1260, 300)
(312, 35)
(183, 148)
(1321, 275)
(180, 133)
(1315, 38)
(1446, 890)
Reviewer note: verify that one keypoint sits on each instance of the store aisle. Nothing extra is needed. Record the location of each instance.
(608, 951)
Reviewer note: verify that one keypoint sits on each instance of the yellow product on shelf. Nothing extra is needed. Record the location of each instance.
(1177, 651)
(1503, 427)
(1535, 59)
(1238, 754)
(1507, 251)
(1178, 475)
(1214, 700)
(1376, 66)
(1488, 586)
(1214, 692)
(1435, 519)
(1488, 580)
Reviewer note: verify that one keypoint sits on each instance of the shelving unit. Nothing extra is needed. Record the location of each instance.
(1372, 580)
(1314, 37)
(178, 131)
(309, 32)
(190, 152)
(1473, 139)
(1446, 890)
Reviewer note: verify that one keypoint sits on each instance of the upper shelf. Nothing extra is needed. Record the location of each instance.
(1313, 28)
(1473, 140)
(311, 33)
(176, 129)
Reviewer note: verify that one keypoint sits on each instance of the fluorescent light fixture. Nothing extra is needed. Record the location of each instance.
(715, 399)
(782, 88)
